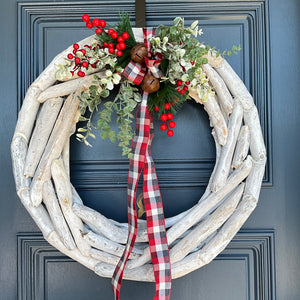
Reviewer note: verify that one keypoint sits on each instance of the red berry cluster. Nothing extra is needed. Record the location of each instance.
(167, 119)
(101, 24)
(81, 61)
(96, 22)
(182, 88)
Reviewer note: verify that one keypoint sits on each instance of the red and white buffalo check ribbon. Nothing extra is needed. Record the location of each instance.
(142, 161)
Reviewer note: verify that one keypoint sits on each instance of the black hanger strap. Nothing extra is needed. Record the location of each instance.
(140, 13)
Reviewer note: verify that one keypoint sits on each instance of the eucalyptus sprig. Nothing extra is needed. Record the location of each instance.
(123, 105)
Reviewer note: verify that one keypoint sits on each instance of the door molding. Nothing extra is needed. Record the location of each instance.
(252, 247)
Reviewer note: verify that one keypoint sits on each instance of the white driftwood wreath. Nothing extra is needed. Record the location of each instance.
(40, 155)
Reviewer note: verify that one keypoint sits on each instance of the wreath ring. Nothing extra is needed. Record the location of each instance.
(196, 236)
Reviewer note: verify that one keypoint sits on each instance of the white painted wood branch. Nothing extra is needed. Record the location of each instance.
(235, 84)
(56, 215)
(68, 87)
(224, 163)
(218, 154)
(215, 116)
(105, 226)
(64, 193)
(218, 84)
(104, 256)
(18, 154)
(44, 125)
(104, 244)
(242, 147)
(27, 114)
(255, 177)
(257, 145)
(39, 214)
(54, 146)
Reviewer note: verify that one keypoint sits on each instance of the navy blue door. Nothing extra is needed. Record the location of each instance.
(262, 262)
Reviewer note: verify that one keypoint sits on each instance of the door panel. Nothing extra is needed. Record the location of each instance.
(247, 269)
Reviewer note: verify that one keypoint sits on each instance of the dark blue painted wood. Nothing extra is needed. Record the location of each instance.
(269, 65)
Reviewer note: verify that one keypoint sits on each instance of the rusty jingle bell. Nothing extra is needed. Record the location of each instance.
(150, 84)
(138, 52)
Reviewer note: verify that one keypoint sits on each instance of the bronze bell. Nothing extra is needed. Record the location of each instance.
(150, 84)
(138, 52)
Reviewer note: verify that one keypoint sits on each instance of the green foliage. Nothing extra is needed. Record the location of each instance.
(166, 94)
(235, 49)
(89, 102)
(123, 105)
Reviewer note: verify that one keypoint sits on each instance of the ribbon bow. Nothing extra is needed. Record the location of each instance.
(136, 72)
(156, 229)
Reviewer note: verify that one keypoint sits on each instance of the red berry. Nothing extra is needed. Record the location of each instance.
(185, 88)
(172, 124)
(179, 82)
(96, 22)
(99, 31)
(70, 56)
(87, 46)
(110, 45)
(85, 18)
(74, 51)
(122, 45)
(125, 35)
(114, 35)
(167, 105)
(120, 39)
(156, 108)
(77, 60)
(72, 73)
(76, 46)
(119, 53)
(187, 82)
(118, 47)
(102, 23)
(164, 117)
(111, 50)
(89, 25)
(110, 31)
(94, 66)
(83, 51)
(84, 64)
(81, 74)
(170, 133)
(192, 62)
(105, 45)
(170, 116)
(163, 127)
(182, 92)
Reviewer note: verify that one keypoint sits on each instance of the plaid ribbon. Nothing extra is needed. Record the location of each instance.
(136, 72)
(156, 229)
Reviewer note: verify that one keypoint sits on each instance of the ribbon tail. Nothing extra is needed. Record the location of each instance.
(156, 228)
(136, 164)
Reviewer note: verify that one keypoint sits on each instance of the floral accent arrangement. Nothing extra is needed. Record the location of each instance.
(176, 69)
